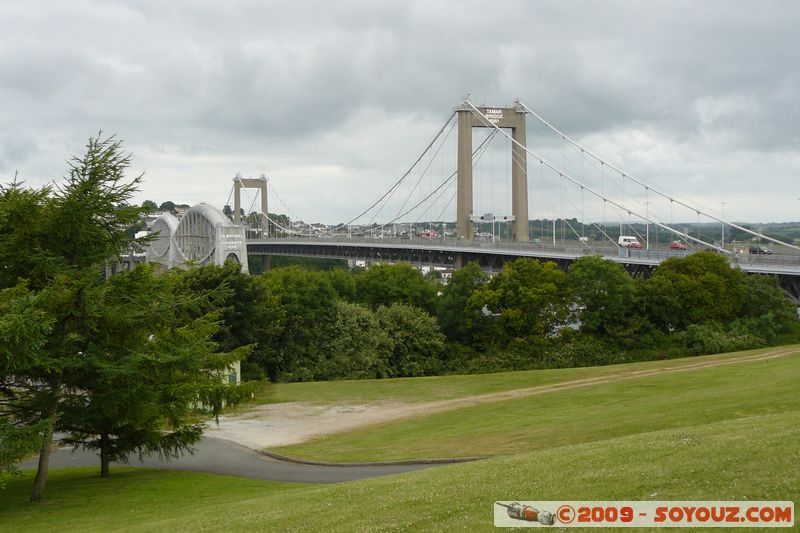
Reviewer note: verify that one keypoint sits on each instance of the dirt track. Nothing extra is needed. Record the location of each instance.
(294, 422)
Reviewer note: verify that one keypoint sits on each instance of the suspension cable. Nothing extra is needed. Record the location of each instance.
(479, 151)
(490, 124)
(403, 177)
(565, 137)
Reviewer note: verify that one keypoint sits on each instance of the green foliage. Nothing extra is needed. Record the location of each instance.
(17, 441)
(603, 295)
(710, 337)
(109, 363)
(415, 339)
(168, 206)
(528, 298)
(305, 312)
(452, 305)
(581, 350)
(400, 283)
(149, 206)
(698, 288)
(357, 347)
(24, 327)
(144, 368)
(767, 311)
(343, 282)
(248, 314)
(310, 263)
(90, 212)
(24, 239)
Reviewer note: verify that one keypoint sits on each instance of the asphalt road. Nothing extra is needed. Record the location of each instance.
(218, 456)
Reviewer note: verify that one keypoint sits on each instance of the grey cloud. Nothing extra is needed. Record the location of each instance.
(220, 86)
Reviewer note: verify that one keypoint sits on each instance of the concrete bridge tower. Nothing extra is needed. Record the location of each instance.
(503, 117)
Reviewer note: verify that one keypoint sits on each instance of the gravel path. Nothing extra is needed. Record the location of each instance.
(274, 425)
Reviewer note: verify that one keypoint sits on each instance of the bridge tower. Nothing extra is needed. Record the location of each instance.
(503, 117)
(250, 183)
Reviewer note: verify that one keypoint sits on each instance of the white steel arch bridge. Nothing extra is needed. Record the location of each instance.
(203, 235)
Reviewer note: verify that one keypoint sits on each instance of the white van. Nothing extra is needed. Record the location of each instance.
(627, 241)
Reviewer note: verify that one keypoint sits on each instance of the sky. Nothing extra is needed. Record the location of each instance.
(333, 101)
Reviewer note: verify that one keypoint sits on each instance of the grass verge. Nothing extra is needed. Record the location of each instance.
(752, 458)
(571, 416)
(431, 388)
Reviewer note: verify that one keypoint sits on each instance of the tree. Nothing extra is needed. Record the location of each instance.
(343, 281)
(149, 206)
(701, 287)
(305, 311)
(603, 295)
(249, 315)
(83, 223)
(145, 368)
(452, 305)
(401, 283)
(767, 311)
(54, 243)
(528, 298)
(416, 342)
(358, 347)
(23, 331)
(168, 206)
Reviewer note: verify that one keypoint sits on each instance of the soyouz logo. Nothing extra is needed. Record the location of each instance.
(648, 514)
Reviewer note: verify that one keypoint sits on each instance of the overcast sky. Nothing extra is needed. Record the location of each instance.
(334, 100)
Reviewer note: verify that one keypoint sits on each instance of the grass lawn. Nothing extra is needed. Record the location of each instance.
(446, 387)
(572, 416)
(77, 499)
(751, 458)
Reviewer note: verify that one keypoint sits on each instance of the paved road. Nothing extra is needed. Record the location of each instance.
(218, 456)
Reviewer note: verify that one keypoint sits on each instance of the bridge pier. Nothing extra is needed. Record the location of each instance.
(266, 262)
(458, 261)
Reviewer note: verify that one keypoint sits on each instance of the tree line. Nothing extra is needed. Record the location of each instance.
(392, 321)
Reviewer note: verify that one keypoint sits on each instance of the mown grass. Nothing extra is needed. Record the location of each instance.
(431, 388)
(751, 458)
(77, 499)
(574, 415)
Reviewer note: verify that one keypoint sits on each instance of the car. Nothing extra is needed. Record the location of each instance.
(760, 250)
(635, 245)
(675, 245)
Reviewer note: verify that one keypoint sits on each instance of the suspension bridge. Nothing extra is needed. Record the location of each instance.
(469, 196)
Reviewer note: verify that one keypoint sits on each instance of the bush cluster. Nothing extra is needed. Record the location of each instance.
(393, 321)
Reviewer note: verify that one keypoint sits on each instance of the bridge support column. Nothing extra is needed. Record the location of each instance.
(266, 262)
(458, 261)
(519, 182)
(464, 179)
(512, 118)
(249, 183)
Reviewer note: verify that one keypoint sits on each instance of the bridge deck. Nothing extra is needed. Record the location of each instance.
(444, 251)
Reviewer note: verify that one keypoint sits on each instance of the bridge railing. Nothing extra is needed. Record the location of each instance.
(780, 259)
